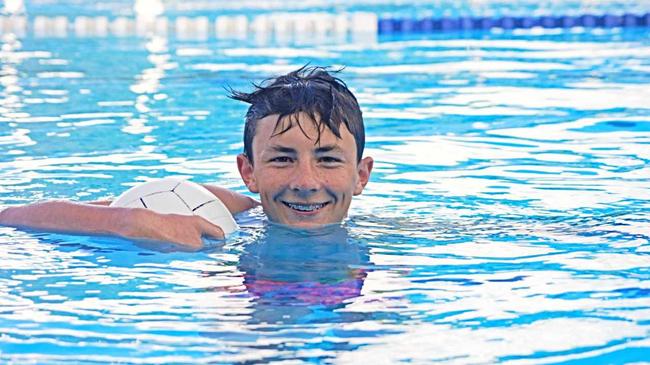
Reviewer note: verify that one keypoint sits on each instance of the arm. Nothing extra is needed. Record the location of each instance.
(234, 201)
(69, 217)
(101, 202)
(63, 216)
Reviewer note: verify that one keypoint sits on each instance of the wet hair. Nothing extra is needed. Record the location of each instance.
(315, 91)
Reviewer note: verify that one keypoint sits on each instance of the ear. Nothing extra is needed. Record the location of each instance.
(246, 170)
(363, 174)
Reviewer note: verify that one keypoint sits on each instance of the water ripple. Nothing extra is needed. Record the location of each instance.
(507, 219)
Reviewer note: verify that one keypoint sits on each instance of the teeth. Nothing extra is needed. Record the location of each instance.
(305, 207)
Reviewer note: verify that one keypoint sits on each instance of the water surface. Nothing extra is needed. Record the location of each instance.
(507, 218)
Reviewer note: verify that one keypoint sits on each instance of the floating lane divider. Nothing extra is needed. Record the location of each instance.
(287, 26)
(276, 25)
(430, 25)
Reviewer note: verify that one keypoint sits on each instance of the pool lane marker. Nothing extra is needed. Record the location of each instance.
(453, 24)
(285, 26)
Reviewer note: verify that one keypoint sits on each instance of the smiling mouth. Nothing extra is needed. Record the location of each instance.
(305, 208)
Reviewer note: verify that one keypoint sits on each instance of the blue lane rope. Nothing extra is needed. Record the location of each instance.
(430, 25)
(357, 23)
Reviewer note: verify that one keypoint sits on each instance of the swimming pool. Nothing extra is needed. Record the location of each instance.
(507, 219)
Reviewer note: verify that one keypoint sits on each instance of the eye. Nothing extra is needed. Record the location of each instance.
(330, 160)
(281, 160)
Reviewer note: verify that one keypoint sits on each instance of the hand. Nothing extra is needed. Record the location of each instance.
(185, 231)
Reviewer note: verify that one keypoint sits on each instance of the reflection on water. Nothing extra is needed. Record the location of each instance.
(507, 218)
(300, 276)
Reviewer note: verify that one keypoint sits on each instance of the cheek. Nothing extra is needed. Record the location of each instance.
(340, 184)
(344, 180)
(268, 180)
(267, 200)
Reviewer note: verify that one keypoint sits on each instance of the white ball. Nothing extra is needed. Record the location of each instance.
(177, 196)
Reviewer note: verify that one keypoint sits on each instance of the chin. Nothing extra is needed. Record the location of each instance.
(303, 224)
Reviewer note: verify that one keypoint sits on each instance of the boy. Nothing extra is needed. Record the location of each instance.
(303, 154)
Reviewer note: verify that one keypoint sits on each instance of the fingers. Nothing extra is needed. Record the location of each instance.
(211, 230)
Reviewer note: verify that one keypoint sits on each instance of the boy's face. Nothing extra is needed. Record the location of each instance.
(301, 183)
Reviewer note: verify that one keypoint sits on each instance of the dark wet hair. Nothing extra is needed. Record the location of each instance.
(313, 90)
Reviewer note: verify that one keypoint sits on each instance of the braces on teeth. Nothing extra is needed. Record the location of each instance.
(305, 208)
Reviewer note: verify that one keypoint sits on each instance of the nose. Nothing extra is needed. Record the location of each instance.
(305, 179)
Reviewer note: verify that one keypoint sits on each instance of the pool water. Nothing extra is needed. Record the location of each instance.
(507, 218)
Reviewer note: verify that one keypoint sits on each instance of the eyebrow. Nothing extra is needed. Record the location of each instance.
(283, 149)
(329, 148)
(319, 150)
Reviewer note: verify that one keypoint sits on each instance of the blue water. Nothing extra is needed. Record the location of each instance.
(507, 218)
